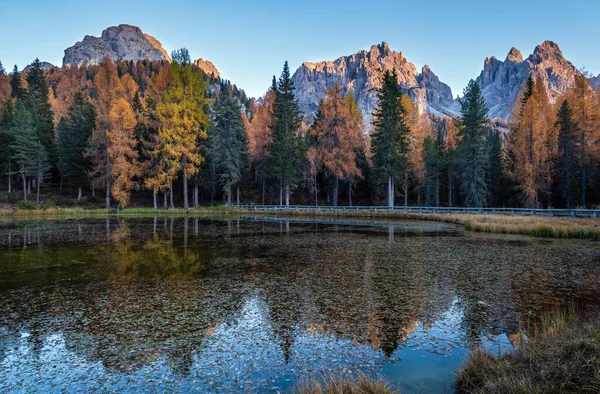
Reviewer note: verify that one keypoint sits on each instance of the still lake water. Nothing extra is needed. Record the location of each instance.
(254, 305)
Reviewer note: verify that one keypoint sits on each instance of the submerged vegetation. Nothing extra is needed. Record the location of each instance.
(562, 355)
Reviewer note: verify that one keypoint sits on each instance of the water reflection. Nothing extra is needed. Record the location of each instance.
(253, 304)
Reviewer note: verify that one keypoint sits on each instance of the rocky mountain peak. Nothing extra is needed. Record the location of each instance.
(207, 67)
(123, 42)
(362, 73)
(514, 55)
(501, 81)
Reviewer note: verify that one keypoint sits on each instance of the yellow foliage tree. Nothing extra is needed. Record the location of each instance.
(184, 121)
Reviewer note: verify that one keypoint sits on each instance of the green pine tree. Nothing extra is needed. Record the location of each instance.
(228, 141)
(285, 150)
(473, 150)
(389, 142)
(29, 153)
(568, 152)
(38, 104)
(6, 153)
(73, 134)
(16, 84)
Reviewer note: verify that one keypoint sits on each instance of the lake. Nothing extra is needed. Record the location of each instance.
(255, 304)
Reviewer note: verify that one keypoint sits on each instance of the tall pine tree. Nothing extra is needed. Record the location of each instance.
(389, 143)
(284, 149)
(228, 140)
(472, 147)
(568, 155)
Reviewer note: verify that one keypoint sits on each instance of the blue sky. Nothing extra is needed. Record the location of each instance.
(249, 40)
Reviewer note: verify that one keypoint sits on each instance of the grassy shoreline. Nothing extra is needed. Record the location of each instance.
(536, 226)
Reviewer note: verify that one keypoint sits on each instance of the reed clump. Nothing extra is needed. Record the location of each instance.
(561, 355)
(335, 384)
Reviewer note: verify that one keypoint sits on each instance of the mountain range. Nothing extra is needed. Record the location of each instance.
(362, 72)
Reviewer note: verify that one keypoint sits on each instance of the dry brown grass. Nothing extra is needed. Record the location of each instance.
(340, 385)
(537, 226)
(562, 356)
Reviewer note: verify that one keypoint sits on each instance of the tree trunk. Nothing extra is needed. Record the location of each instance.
(281, 195)
(390, 196)
(171, 194)
(37, 196)
(336, 184)
(186, 204)
(24, 189)
(93, 191)
(350, 193)
(405, 188)
(165, 200)
(228, 195)
(154, 197)
(29, 186)
(79, 193)
(107, 182)
(9, 183)
(287, 196)
(196, 196)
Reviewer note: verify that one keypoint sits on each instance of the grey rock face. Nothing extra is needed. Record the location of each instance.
(45, 66)
(501, 81)
(595, 82)
(361, 73)
(123, 42)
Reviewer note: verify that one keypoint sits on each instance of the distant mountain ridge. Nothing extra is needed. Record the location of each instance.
(362, 73)
(501, 81)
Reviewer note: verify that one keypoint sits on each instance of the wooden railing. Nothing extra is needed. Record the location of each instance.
(580, 213)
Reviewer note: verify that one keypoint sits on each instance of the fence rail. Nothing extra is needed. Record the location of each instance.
(579, 213)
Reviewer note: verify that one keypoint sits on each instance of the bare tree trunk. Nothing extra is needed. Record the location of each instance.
(154, 197)
(281, 194)
(107, 182)
(287, 196)
(390, 192)
(336, 183)
(186, 204)
(350, 193)
(405, 187)
(29, 186)
(228, 195)
(24, 189)
(171, 194)
(79, 193)
(195, 196)
(165, 200)
(9, 183)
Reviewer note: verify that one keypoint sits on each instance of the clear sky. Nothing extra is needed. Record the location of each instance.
(248, 40)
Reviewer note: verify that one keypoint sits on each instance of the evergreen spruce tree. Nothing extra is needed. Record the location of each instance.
(496, 165)
(6, 139)
(434, 157)
(16, 85)
(30, 155)
(73, 134)
(37, 101)
(284, 150)
(389, 143)
(473, 150)
(568, 153)
(228, 141)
